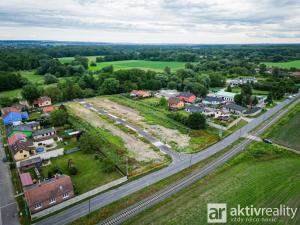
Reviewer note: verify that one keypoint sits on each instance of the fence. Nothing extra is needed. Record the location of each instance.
(78, 198)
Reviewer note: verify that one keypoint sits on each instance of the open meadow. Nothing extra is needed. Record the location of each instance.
(284, 65)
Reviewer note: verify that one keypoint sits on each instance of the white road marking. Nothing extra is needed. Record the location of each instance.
(158, 144)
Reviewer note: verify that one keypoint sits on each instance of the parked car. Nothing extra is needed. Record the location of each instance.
(268, 141)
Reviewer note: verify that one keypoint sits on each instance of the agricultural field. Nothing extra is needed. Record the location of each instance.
(90, 173)
(130, 64)
(263, 170)
(32, 77)
(140, 64)
(144, 155)
(148, 115)
(286, 132)
(284, 65)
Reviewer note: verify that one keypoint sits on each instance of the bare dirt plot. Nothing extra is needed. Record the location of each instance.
(140, 150)
(165, 134)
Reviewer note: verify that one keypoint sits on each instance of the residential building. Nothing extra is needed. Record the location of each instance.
(27, 128)
(234, 108)
(26, 179)
(34, 161)
(241, 81)
(15, 118)
(225, 95)
(11, 140)
(42, 102)
(212, 100)
(194, 109)
(6, 110)
(44, 142)
(253, 111)
(41, 134)
(48, 109)
(48, 193)
(175, 103)
(167, 94)
(296, 74)
(187, 97)
(140, 94)
(22, 149)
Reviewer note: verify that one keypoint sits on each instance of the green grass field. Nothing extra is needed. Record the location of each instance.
(263, 176)
(90, 173)
(255, 92)
(140, 64)
(32, 77)
(284, 65)
(286, 132)
(130, 64)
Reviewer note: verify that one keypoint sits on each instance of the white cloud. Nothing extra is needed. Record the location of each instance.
(156, 21)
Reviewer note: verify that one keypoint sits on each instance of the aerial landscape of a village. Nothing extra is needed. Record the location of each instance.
(162, 113)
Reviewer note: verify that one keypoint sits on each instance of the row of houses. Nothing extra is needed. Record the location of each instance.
(28, 143)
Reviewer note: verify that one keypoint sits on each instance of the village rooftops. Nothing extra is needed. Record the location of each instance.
(31, 161)
(212, 100)
(174, 100)
(24, 144)
(186, 94)
(43, 132)
(235, 107)
(26, 179)
(194, 109)
(49, 192)
(167, 93)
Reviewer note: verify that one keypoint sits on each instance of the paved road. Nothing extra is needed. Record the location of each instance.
(108, 197)
(177, 186)
(8, 205)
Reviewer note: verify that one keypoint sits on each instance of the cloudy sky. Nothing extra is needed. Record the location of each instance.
(152, 21)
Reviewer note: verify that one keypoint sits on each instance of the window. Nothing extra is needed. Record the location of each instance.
(52, 200)
(65, 195)
(37, 205)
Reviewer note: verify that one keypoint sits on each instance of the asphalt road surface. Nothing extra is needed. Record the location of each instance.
(8, 205)
(108, 197)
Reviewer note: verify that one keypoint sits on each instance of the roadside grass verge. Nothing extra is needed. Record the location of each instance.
(263, 176)
(286, 131)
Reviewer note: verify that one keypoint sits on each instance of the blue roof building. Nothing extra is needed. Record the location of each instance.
(12, 117)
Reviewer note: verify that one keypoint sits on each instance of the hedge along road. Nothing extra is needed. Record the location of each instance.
(106, 198)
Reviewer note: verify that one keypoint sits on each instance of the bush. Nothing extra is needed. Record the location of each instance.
(73, 170)
(50, 79)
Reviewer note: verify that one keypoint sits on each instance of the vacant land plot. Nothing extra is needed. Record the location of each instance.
(139, 150)
(286, 132)
(90, 171)
(285, 65)
(263, 176)
(155, 120)
(166, 134)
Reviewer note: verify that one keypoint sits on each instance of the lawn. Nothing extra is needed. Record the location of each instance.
(90, 172)
(255, 92)
(264, 175)
(12, 93)
(286, 132)
(284, 65)
(70, 59)
(32, 77)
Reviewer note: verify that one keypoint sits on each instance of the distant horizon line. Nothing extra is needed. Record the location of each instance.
(145, 43)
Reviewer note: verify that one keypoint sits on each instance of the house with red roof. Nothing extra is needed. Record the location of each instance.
(26, 179)
(48, 109)
(48, 193)
(16, 137)
(42, 102)
(187, 97)
(140, 94)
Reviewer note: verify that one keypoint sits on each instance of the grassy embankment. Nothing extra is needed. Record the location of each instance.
(286, 132)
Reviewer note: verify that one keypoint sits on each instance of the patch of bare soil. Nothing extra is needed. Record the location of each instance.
(141, 151)
(163, 133)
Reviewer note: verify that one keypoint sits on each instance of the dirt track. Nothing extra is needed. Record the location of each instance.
(140, 150)
(165, 134)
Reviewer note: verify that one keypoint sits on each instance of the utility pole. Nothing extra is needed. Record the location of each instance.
(89, 206)
(191, 159)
